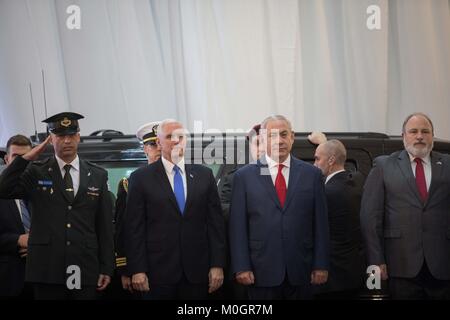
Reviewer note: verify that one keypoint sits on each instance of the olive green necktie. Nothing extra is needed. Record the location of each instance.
(68, 182)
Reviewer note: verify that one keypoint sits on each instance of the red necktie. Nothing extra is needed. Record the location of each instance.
(420, 179)
(280, 185)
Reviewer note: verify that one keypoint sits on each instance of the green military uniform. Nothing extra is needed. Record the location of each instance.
(63, 232)
(68, 229)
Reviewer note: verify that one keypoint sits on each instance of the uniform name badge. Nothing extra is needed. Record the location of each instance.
(45, 184)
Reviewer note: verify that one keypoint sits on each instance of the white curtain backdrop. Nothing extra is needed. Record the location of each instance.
(227, 63)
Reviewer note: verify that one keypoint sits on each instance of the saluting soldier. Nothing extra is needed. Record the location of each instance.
(71, 245)
(147, 134)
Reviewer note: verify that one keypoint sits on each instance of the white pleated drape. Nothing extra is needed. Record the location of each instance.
(227, 63)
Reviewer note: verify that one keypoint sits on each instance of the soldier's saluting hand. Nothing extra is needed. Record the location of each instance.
(71, 247)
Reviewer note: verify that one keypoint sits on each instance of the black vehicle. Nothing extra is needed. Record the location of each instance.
(121, 154)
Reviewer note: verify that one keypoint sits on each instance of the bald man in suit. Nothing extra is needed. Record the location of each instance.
(344, 191)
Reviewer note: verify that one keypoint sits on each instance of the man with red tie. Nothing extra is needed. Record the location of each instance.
(279, 236)
(405, 215)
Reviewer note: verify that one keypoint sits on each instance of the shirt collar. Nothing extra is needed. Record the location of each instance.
(271, 163)
(333, 174)
(168, 166)
(426, 159)
(75, 163)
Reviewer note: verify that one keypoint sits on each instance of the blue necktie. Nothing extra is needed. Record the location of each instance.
(178, 188)
(26, 220)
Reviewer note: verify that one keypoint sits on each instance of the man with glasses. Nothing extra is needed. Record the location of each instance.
(405, 215)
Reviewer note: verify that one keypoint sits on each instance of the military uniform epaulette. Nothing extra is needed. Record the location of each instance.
(92, 164)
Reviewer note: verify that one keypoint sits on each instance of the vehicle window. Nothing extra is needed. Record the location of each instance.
(214, 167)
(119, 170)
(115, 175)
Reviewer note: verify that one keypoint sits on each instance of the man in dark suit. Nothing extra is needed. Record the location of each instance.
(147, 134)
(14, 230)
(343, 190)
(174, 234)
(231, 287)
(405, 215)
(278, 222)
(255, 149)
(71, 247)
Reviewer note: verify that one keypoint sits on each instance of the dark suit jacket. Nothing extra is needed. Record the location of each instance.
(272, 241)
(225, 194)
(119, 236)
(398, 228)
(12, 266)
(63, 233)
(162, 242)
(344, 192)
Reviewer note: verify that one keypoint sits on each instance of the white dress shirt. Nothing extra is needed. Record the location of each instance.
(74, 172)
(426, 162)
(168, 166)
(19, 207)
(273, 168)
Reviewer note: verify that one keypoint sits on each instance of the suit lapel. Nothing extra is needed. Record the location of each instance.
(266, 180)
(405, 166)
(57, 179)
(436, 172)
(190, 175)
(294, 176)
(85, 178)
(165, 184)
(16, 215)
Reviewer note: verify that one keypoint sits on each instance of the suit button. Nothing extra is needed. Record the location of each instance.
(69, 225)
(69, 207)
(68, 243)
